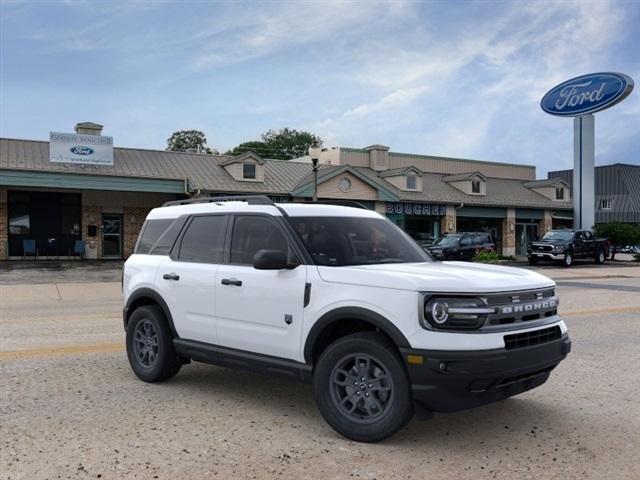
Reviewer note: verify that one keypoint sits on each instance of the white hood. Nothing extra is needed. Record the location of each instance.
(449, 277)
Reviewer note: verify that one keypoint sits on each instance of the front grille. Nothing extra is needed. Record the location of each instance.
(528, 339)
(516, 307)
(524, 376)
(543, 248)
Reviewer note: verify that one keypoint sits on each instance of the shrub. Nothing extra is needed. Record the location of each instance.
(486, 257)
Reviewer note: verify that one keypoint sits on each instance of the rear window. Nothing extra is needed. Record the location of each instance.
(150, 234)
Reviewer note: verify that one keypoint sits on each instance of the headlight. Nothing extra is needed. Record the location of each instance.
(558, 248)
(456, 312)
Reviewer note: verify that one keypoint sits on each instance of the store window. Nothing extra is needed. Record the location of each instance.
(70, 214)
(411, 182)
(249, 171)
(560, 193)
(19, 213)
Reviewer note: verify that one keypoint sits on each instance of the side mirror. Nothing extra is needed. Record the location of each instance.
(271, 260)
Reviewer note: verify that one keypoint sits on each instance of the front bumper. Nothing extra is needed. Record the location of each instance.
(447, 381)
(546, 255)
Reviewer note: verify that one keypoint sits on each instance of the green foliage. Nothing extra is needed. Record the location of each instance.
(619, 234)
(188, 141)
(283, 144)
(256, 146)
(487, 257)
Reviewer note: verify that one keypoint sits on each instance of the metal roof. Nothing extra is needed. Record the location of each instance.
(205, 172)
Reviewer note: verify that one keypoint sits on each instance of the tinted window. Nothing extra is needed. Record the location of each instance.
(253, 233)
(150, 234)
(204, 239)
(465, 242)
(249, 170)
(340, 241)
(168, 238)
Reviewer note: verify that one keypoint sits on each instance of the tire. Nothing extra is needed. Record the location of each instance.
(600, 257)
(369, 410)
(150, 345)
(567, 261)
(533, 260)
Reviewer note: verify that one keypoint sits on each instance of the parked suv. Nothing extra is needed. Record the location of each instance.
(339, 297)
(461, 246)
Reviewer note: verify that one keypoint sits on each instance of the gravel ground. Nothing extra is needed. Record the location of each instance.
(71, 408)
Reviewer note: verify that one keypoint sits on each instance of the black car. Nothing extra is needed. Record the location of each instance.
(461, 246)
(566, 245)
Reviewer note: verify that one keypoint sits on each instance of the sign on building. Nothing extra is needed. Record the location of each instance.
(409, 208)
(80, 149)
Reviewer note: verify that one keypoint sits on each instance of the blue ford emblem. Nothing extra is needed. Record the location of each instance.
(78, 150)
(587, 94)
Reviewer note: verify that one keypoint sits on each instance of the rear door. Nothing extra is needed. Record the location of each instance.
(260, 310)
(187, 279)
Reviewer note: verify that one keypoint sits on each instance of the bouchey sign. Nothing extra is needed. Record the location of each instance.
(580, 97)
(587, 94)
(80, 149)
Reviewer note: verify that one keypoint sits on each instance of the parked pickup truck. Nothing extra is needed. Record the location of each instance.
(566, 245)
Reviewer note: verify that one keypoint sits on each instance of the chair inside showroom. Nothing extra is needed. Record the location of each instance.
(29, 248)
(78, 250)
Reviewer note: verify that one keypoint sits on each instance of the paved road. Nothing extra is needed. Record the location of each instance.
(70, 407)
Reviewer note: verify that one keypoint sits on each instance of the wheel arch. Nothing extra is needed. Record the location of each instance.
(331, 322)
(147, 296)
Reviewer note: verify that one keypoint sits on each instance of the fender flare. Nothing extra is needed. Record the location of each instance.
(157, 298)
(352, 313)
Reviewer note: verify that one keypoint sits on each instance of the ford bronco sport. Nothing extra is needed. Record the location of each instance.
(338, 297)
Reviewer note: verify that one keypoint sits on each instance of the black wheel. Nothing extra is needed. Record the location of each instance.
(150, 345)
(533, 260)
(600, 257)
(361, 387)
(567, 261)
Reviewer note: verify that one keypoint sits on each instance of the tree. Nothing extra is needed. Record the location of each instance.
(255, 146)
(188, 141)
(283, 144)
(619, 234)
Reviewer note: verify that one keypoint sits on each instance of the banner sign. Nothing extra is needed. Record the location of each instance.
(80, 149)
(587, 94)
(409, 208)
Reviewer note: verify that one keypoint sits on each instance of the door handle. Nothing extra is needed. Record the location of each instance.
(171, 276)
(231, 281)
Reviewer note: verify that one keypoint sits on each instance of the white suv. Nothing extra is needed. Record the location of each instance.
(339, 297)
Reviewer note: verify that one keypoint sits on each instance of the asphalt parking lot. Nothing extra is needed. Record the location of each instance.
(71, 408)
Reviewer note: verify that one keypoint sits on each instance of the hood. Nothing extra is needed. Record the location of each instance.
(450, 277)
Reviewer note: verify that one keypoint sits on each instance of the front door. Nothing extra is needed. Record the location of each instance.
(259, 310)
(525, 234)
(111, 235)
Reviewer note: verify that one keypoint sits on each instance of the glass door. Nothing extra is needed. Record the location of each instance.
(111, 235)
(525, 233)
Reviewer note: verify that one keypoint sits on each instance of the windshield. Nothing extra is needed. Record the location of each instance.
(448, 241)
(342, 241)
(558, 235)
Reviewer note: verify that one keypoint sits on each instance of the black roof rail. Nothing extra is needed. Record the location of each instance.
(250, 199)
(339, 203)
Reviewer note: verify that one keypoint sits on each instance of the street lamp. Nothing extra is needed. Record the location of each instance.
(314, 152)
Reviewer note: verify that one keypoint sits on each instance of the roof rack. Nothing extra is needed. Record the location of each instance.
(340, 203)
(250, 199)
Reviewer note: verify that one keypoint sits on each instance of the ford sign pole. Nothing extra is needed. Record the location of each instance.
(580, 97)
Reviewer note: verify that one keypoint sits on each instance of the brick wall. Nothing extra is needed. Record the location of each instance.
(91, 215)
(133, 218)
(448, 222)
(546, 223)
(4, 226)
(509, 233)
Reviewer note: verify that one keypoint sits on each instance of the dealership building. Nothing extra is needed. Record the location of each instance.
(78, 187)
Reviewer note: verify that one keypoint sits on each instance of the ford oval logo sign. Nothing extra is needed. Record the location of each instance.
(587, 94)
(79, 150)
